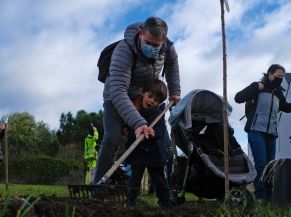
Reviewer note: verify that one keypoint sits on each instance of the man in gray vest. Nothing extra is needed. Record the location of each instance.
(137, 59)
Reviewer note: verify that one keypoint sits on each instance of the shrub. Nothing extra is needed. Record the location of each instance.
(39, 169)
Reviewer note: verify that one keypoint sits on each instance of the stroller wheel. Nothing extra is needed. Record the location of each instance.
(240, 198)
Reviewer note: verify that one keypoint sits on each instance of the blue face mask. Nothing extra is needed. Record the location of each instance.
(150, 51)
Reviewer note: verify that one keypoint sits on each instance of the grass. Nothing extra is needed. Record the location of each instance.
(34, 190)
(267, 210)
(26, 207)
(150, 200)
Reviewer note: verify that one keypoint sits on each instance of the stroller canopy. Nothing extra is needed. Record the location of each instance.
(200, 105)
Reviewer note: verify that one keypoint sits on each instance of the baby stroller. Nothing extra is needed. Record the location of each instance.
(197, 129)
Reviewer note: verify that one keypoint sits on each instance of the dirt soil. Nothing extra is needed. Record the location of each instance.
(65, 206)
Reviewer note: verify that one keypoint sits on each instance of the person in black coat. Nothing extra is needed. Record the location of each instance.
(151, 152)
(264, 100)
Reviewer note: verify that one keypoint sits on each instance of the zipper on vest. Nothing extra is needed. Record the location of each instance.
(271, 108)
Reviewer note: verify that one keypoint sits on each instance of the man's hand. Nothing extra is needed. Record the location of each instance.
(175, 99)
(143, 129)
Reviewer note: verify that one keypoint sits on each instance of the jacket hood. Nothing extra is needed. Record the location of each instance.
(131, 33)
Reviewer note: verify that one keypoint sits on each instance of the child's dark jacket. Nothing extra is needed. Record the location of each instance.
(151, 151)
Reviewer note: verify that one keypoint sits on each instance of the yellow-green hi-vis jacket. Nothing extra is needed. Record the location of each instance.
(90, 156)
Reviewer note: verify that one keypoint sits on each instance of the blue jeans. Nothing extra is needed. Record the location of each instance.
(263, 148)
(112, 124)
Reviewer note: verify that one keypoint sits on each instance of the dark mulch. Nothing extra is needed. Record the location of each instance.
(68, 207)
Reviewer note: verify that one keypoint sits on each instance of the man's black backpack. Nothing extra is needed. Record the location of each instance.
(105, 59)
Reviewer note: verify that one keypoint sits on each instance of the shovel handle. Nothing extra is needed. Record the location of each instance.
(117, 163)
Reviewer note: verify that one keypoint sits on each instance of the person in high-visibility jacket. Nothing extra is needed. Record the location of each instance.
(90, 154)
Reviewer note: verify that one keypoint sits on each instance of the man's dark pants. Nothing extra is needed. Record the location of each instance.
(112, 124)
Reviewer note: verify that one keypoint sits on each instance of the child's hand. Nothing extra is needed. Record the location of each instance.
(151, 132)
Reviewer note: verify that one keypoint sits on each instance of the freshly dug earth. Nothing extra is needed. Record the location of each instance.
(64, 206)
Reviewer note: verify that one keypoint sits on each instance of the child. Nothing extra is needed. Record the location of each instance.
(150, 153)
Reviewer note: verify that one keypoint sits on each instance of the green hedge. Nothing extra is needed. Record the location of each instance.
(39, 169)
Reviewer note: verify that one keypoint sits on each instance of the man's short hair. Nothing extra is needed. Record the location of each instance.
(156, 26)
(158, 88)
